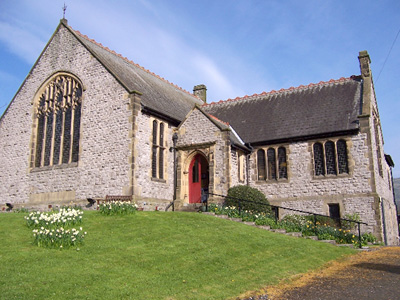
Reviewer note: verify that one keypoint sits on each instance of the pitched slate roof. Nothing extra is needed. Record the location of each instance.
(158, 94)
(326, 108)
(234, 137)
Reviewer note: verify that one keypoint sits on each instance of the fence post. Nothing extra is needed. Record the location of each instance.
(276, 214)
(315, 223)
(240, 207)
(359, 234)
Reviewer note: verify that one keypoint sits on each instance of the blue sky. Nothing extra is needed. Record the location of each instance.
(235, 48)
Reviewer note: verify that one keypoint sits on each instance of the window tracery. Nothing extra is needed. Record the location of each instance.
(58, 114)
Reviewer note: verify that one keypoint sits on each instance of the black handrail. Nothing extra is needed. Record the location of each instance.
(292, 209)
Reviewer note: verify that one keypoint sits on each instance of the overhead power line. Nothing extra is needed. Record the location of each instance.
(384, 63)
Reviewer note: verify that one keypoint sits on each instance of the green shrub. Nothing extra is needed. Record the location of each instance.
(266, 221)
(351, 225)
(252, 199)
(322, 220)
(368, 238)
(293, 223)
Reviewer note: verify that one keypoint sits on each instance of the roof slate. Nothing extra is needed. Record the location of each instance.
(157, 93)
(307, 111)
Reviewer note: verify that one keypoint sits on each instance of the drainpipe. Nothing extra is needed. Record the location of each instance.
(174, 140)
(172, 203)
(248, 164)
(383, 220)
(394, 194)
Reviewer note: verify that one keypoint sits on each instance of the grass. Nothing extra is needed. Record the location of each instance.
(153, 255)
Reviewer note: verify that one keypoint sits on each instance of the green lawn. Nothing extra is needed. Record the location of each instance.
(153, 255)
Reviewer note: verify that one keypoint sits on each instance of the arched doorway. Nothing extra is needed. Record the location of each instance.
(198, 178)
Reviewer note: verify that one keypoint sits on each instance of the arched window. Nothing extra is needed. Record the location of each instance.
(58, 122)
(271, 163)
(330, 158)
(157, 157)
(319, 164)
(261, 164)
(342, 157)
(282, 165)
(154, 151)
(161, 153)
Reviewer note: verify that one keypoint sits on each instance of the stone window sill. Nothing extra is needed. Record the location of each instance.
(272, 181)
(325, 177)
(55, 167)
(158, 180)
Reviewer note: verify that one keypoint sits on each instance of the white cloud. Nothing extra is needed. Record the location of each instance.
(217, 82)
(7, 77)
(21, 42)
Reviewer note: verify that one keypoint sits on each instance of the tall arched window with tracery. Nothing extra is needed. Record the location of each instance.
(58, 114)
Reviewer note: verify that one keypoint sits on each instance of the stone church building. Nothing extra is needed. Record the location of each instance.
(87, 123)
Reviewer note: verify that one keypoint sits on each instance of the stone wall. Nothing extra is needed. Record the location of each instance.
(153, 192)
(353, 192)
(234, 167)
(103, 166)
(302, 183)
(302, 190)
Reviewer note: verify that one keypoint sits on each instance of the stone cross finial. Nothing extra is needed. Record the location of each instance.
(64, 9)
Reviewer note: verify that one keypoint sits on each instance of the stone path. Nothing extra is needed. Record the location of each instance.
(367, 275)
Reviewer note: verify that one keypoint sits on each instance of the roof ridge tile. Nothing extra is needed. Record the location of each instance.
(215, 118)
(287, 90)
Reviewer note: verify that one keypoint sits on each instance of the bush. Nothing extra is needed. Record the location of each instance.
(351, 225)
(322, 220)
(293, 223)
(368, 238)
(266, 221)
(252, 199)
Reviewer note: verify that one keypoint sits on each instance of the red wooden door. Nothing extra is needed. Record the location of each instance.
(195, 180)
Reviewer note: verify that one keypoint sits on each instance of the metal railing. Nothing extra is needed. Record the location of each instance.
(276, 212)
